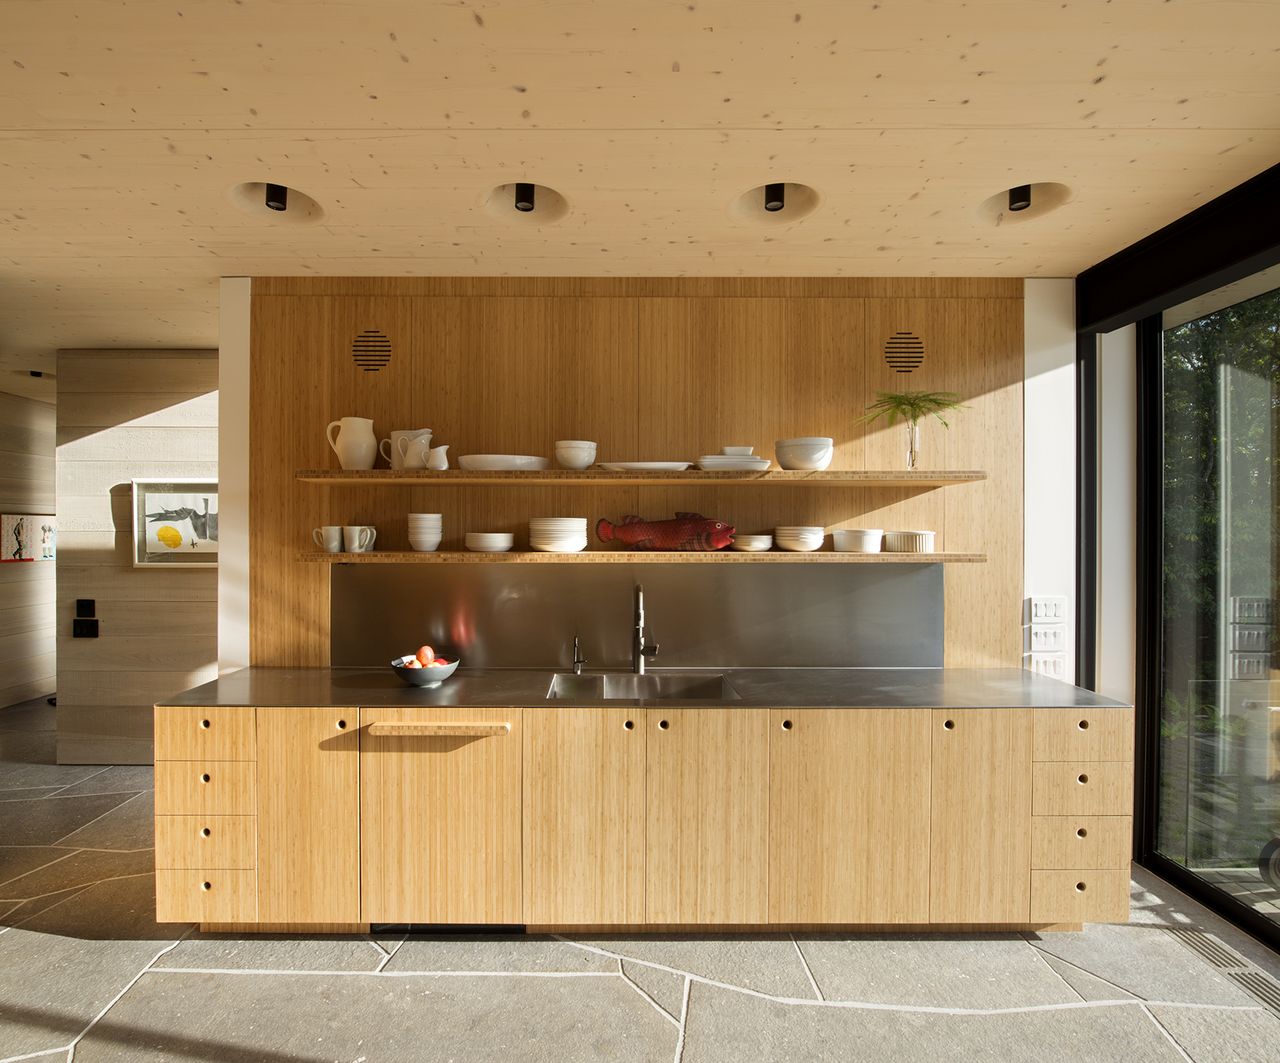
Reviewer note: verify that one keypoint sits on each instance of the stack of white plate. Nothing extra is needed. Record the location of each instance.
(425, 530)
(560, 535)
(801, 538)
(489, 542)
(733, 463)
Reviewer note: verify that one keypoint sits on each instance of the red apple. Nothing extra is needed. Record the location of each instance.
(412, 662)
(426, 655)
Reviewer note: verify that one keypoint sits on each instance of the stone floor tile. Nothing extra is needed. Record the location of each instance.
(274, 952)
(118, 779)
(35, 715)
(131, 825)
(78, 869)
(122, 910)
(30, 758)
(933, 970)
(1086, 986)
(18, 912)
(723, 1025)
(767, 963)
(309, 1019)
(52, 986)
(666, 989)
(1145, 961)
(1209, 1035)
(51, 819)
(488, 952)
(18, 860)
(25, 793)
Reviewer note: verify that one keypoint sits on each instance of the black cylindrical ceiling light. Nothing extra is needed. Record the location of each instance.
(524, 196)
(775, 197)
(277, 197)
(1020, 197)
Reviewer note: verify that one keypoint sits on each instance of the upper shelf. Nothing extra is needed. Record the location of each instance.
(596, 557)
(606, 478)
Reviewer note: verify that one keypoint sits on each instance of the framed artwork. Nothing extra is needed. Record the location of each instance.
(175, 523)
(28, 537)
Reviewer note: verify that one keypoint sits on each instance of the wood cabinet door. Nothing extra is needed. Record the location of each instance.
(849, 815)
(980, 849)
(707, 815)
(584, 793)
(308, 816)
(440, 815)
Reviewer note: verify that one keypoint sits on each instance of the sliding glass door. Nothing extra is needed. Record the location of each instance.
(1218, 756)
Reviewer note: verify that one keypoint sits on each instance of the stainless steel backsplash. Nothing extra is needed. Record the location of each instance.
(702, 616)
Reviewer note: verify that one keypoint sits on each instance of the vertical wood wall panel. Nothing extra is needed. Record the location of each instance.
(650, 369)
(121, 415)
(26, 588)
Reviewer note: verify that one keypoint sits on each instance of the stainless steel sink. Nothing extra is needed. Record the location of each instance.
(652, 686)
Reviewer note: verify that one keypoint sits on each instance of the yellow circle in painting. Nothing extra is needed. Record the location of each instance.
(169, 536)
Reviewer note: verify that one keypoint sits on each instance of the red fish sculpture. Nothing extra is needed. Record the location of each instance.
(689, 531)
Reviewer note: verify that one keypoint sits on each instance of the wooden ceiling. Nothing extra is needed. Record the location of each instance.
(124, 125)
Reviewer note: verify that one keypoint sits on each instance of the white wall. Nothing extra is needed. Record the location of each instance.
(1117, 512)
(233, 474)
(1049, 450)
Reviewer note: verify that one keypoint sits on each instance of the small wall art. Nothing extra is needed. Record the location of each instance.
(28, 537)
(175, 523)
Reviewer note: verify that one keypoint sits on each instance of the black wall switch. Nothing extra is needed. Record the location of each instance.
(84, 629)
(85, 606)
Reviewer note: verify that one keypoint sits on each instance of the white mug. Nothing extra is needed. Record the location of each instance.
(414, 450)
(391, 449)
(358, 538)
(328, 538)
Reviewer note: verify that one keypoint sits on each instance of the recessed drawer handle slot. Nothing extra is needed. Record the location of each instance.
(1083, 725)
(787, 725)
(1080, 887)
(206, 886)
(1082, 833)
(204, 777)
(1082, 778)
(205, 725)
(438, 730)
(205, 832)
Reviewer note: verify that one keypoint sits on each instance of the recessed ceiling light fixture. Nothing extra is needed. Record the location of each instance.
(775, 197)
(277, 197)
(524, 196)
(1024, 203)
(534, 204)
(775, 203)
(1020, 197)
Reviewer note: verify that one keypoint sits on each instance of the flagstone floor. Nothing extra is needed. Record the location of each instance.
(88, 976)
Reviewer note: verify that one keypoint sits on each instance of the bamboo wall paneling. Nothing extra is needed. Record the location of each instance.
(648, 368)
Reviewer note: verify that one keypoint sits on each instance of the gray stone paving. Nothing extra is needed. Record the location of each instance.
(88, 976)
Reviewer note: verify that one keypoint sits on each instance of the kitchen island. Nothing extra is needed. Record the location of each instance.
(332, 799)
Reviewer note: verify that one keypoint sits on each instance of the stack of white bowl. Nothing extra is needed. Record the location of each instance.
(801, 538)
(489, 542)
(752, 544)
(558, 535)
(425, 530)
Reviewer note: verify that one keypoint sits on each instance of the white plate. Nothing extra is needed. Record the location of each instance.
(734, 465)
(645, 466)
(502, 463)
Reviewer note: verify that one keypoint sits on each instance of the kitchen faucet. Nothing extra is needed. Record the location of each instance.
(578, 659)
(640, 649)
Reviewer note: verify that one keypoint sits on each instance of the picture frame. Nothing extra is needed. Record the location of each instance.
(175, 523)
(28, 537)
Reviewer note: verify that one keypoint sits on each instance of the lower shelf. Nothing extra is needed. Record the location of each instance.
(631, 557)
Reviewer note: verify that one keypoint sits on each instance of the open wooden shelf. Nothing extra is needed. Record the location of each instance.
(606, 478)
(596, 557)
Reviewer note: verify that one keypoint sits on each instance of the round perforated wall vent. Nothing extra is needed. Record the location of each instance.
(904, 351)
(371, 350)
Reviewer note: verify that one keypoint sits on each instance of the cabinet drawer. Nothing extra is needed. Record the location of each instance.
(1082, 734)
(1087, 896)
(186, 733)
(204, 896)
(198, 787)
(1083, 787)
(223, 842)
(1081, 841)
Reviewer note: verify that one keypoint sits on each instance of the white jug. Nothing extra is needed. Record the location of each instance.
(438, 459)
(355, 445)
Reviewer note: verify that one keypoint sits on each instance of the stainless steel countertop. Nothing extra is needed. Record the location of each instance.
(784, 688)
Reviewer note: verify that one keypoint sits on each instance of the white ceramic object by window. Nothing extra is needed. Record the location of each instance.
(909, 542)
(807, 453)
(857, 540)
(575, 454)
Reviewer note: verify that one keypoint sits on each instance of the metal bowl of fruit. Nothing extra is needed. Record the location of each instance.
(424, 668)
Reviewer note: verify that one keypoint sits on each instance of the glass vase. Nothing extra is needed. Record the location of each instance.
(913, 444)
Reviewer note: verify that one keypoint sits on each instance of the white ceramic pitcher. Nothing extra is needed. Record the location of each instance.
(355, 445)
(438, 458)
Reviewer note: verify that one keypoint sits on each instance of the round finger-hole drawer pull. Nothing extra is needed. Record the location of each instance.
(1082, 833)
(664, 724)
(1080, 887)
(787, 725)
(342, 725)
(1083, 725)
(950, 725)
(206, 886)
(204, 724)
(205, 832)
(204, 777)
(1082, 778)
(629, 725)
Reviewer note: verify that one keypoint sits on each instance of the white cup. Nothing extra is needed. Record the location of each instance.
(358, 538)
(328, 538)
(391, 448)
(575, 453)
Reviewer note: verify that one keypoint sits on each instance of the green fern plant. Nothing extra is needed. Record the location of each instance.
(911, 406)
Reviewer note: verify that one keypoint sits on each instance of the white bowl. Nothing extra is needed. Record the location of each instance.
(809, 453)
(857, 540)
(425, 546)
(575, 453)
(737, 452)
(490, 542)
(560, 546)
(909, 542)
(502, 463)
(751, 544)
